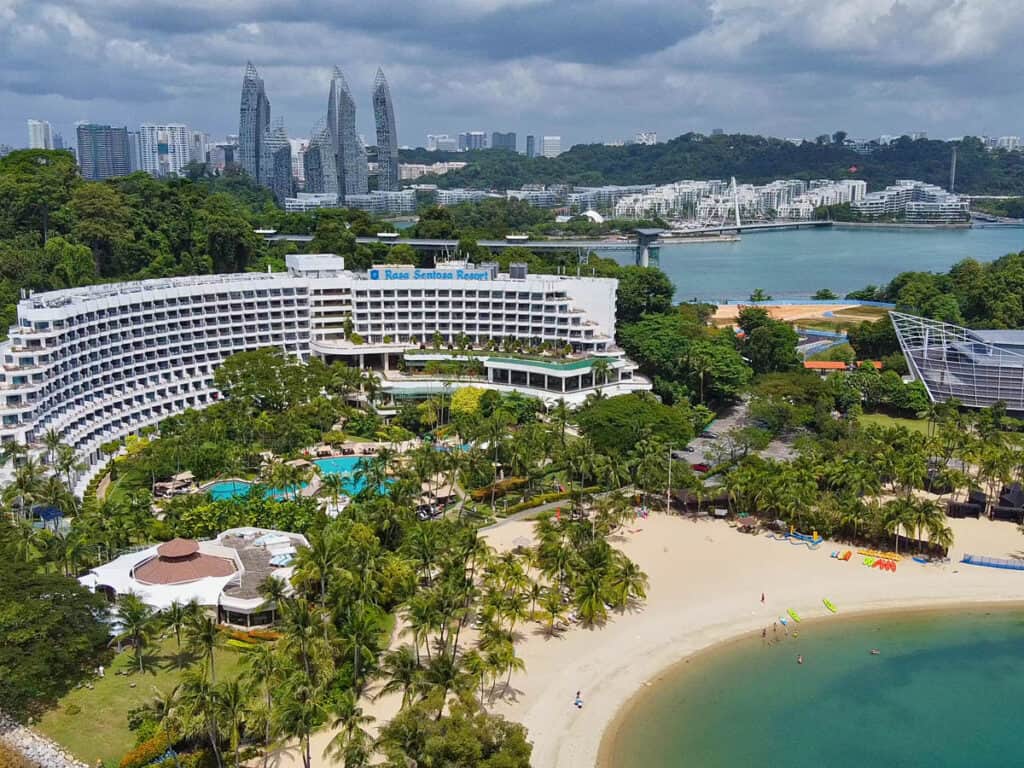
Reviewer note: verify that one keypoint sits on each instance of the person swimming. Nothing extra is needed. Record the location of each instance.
(799, 659)
(875, 652)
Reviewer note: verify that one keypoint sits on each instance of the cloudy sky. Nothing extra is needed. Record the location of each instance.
(590, 70)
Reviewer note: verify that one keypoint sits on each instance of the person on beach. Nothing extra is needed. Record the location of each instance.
(578, 703)
(762, 598)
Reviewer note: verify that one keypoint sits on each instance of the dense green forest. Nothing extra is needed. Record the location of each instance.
(752, 159)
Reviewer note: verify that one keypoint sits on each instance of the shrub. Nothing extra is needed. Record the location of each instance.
(264, 634)
(148, 751)
(546, 498)
(500, 488)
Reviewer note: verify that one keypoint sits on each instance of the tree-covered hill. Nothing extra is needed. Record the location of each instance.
(751, 159)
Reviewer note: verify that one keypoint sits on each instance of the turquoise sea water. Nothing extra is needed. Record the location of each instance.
(338, 465)
(796, 263)
(945, 691)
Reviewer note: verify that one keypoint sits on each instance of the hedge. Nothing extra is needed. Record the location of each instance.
(148, 751)
(500, 488)
(547, 498)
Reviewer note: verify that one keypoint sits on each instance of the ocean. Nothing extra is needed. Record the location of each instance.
(796, 263)
(945, 690)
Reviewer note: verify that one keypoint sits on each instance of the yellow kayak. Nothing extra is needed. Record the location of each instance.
(794, 615)
(830, 605)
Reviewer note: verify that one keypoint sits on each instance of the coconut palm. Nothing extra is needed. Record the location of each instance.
(199, 697)
(263, 672)
(352, 739)
(316, 563)
(554, 609)
(589, 597)
(301, 712)
(51, 441)
(136, 620)
(203, 637)
(176, 617)
(231, 699)
(402, 669)
(626, 582)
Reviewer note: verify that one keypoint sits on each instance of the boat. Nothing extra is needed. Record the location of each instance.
(793, 615)
(830, 605)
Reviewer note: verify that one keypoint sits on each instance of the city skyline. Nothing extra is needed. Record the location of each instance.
(873, 69)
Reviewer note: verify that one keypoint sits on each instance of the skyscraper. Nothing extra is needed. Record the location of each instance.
(40, 135)
(134, 152)
(164, 150)
(318, 161)
(387, 135)
(350, 157)
(470, 140)
(102, 151)
(501, 140)
(253, 121)
(551, 146)
(531, 146)
(276, 163)
(58, 140)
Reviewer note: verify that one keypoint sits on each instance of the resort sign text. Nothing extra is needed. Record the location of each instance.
(383, 273)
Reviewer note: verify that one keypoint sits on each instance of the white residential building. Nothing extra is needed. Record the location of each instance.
(551, 146)
(40, 134)
(441, 143)
(456, 196)
(914, 201)
(164, 150)
(648, 138)
(411, 171)
(99, 362)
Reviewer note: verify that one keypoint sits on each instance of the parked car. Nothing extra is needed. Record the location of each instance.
(680, 453)
(700, 467)
(709, 435)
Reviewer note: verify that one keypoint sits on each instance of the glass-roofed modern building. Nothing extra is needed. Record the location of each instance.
(977, 367)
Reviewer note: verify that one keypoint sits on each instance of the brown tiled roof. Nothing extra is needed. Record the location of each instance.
(161, 570)
(176, 548)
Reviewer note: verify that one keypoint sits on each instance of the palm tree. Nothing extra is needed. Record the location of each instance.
(301, 712)
(136, 619)
(442, 676)
(626, 582)
(263, 670)
(203, 638)
(51, 441)
(600, 368)
(12, 451)
(231, 701)
(554, 609)
(352, 737)
(403, 671)
(176, 616)
(333, 486)
(200, 697)
(359, 631)
(590, 599)
(560, 415)
(317, 562)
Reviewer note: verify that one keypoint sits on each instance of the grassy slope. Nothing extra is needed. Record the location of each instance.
(882, 420)
(99, 731)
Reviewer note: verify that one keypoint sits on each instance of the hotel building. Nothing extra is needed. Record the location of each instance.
(99, 362)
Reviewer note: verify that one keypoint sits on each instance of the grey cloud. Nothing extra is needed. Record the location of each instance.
(586, 70)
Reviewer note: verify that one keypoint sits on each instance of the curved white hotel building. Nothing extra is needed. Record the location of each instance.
(99, 362)
(976, 367)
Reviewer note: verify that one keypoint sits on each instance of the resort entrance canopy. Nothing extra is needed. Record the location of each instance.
(977, 367)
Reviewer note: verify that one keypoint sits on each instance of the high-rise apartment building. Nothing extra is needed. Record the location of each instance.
(470, 140)
(531, 146)
(298, 160)
(253, 121)
(387, 135)
(199, 147)
(503, 140)
(349, 153)
(441, 143)
(58, 140)
(164, 150)
(318, 161)
(40, 134)
(276, 163)
(134, 152)
(103, 151)
(648, 138)
(551, 146)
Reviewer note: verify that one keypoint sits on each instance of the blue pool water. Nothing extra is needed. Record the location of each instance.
(338, 465)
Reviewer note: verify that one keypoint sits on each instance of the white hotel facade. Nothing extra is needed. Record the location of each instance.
(100, 362)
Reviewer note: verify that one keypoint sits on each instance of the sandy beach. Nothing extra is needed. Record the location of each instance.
(726, 313)
(706, 584)
(706, 581)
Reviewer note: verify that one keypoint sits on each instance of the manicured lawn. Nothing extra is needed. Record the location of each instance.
(99, 729)
(882, 420)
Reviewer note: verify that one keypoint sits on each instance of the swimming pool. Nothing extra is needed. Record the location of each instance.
(338, 465)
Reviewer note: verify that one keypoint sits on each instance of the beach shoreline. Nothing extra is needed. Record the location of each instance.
(670, 676)
(705, 585)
